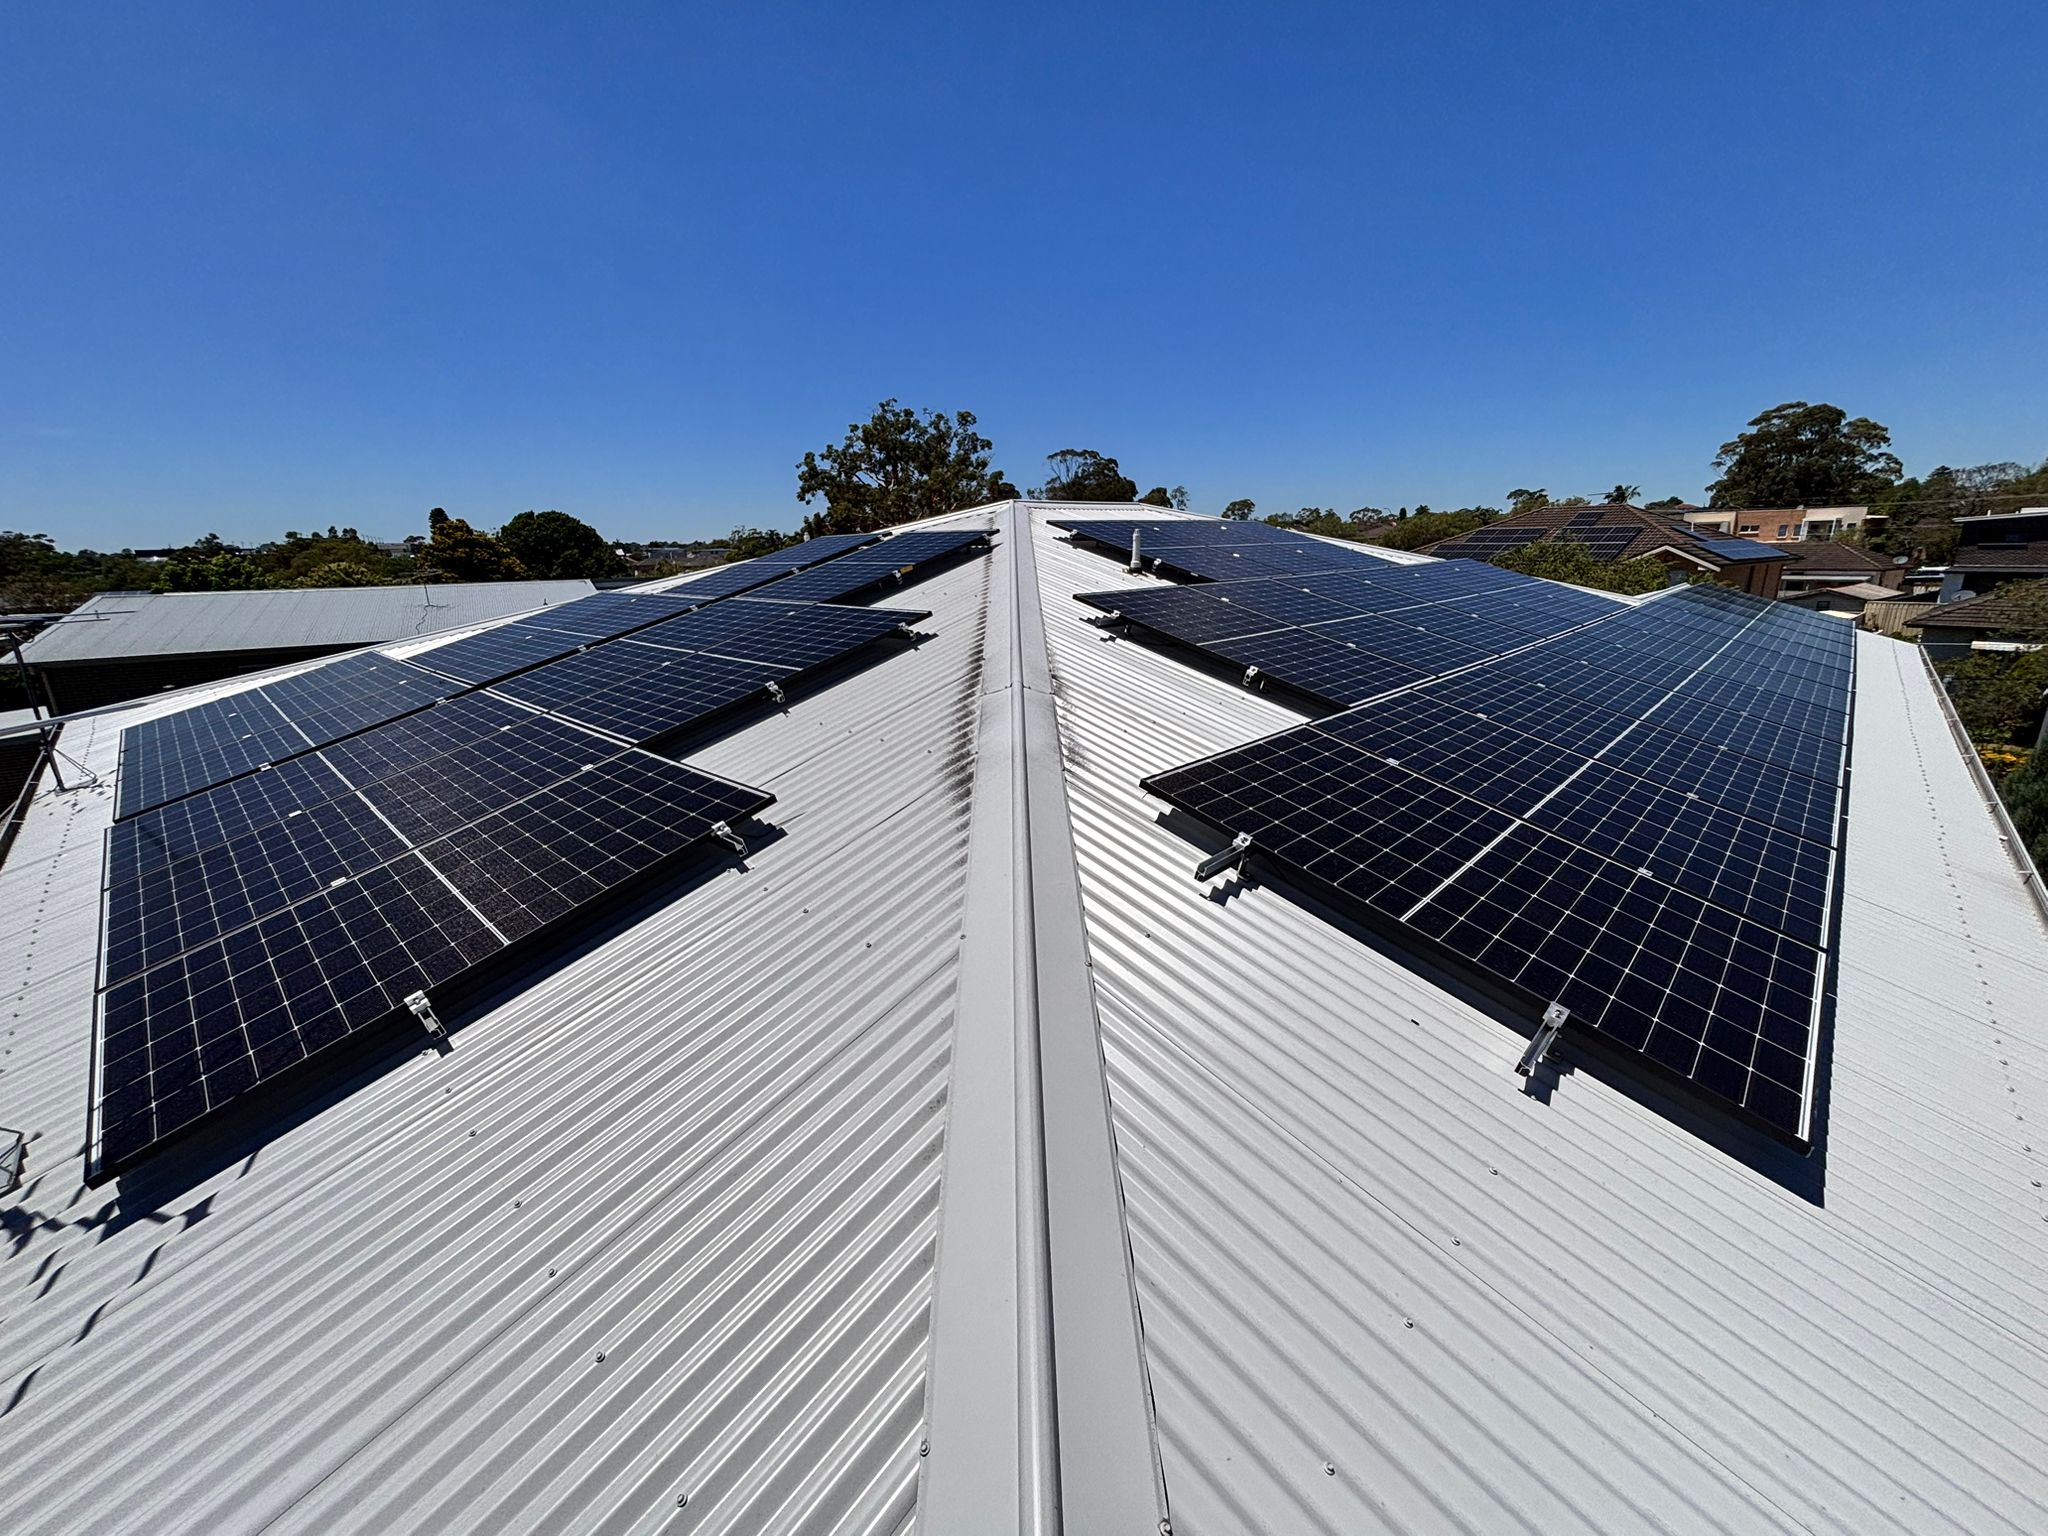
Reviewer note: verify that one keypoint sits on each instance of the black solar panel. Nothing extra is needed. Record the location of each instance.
(163, 760)
(496, 653)
(1631, 864)
(746, 575)
(886, 561)
(569, 844)
(219, 814)
(1219, 550)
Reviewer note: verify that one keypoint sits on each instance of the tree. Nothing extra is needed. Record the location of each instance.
(1801, 455)
(746, 543)
(457, 552)
(1555, 560)
(338, 573)
(1664, 503)
(1998, 694)
(2026, 798)
(1179, 497)
(555, 546)
(209, 565)
(1082, 474)
(896, 467)
(1426, 527)
(1158, 496)
(1000, 489)
(1523, 500)
(1241, 509)
(1622, 495)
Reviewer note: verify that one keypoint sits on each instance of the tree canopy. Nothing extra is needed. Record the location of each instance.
(554, 545)
(457, 552)
(1241, 509)
(1082, 474)
(1801, 455)
(1554, 560)
(896, 467)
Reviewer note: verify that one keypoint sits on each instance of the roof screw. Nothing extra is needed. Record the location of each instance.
(1166, 1528)
(1329, 1469)
(1457, 1242)
(1407, 1322)
(682, 1500)
(924, 1447)
(600, 1357)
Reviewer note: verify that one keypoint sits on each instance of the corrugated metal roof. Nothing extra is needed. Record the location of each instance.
(122, 624)
(654, 1244)
(1384, 1289)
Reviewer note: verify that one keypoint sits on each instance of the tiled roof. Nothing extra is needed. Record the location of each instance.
(2001, 557)
(1587, 524)
(1815, 557)
(1994, 610)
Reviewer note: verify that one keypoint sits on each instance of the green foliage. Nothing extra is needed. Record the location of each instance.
(1664, 503)
(1622, 495)
(1998, 694)
(38, 577)
(1241, 509)
(2026, 801)
(210, 565)
(1426, 527)
(746, 543)
(297, 559)
(1574, 563)
(896, 467)
(338, 573)
(1158, 496)
(457, 552)
(555, 546)
(1920, 513)
(1082, 474)
(1521, 499)
(1801, 455)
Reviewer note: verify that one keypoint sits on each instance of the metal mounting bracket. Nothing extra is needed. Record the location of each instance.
(13, 1159)
(1229, 858)
(1251, 676)
(424, 1012)
(774, 691)
(1545, 1037)
(724, 833)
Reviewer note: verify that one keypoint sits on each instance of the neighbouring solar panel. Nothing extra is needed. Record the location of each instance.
(852, 574)
(189, 1036)
(1742, 550)
(569, 844)
(1584, 519)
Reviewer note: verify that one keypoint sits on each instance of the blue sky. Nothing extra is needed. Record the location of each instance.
(279, 266)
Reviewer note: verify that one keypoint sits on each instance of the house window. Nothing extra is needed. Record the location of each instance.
(1749, 528)
(1781, 529)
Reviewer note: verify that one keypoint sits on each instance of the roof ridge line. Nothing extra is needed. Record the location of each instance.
(1049, 1420)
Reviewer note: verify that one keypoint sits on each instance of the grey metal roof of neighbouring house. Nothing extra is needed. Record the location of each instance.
(955, 1161)
(114, 625)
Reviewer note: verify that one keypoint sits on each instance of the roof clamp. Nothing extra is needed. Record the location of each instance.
(1251, 677)
(723, 831)
(424, 1012)
(774, 691)
(1544, 1038)
(1229, 858)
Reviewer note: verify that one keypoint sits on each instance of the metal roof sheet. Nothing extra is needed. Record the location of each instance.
(659, 1242)
(114, 625)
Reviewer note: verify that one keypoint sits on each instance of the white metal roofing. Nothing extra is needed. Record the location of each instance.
(115, 625)
(769, 1146)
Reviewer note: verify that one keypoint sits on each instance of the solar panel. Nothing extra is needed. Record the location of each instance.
(496, 653)
(1677, 905)
(746, 575)
(1219, 550)
(885, 561)
(249, 993)
(638, 692)
(166, 759)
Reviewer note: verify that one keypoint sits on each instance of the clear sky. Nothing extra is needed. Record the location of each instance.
(267, 266)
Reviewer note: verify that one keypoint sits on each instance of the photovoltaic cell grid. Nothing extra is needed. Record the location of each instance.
(1349, 636)
(1217, 550)
(687, 669)
(166, 758)
(255, 993)
(853, 574)
(746, 575)
(1605, 849)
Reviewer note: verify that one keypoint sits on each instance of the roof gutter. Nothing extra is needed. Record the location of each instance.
(1044, 1425)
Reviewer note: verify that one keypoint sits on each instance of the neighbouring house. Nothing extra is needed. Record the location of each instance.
(1817, 563)
(1972, 623)
(1994, 550)
(1619, 532)
(125, 645)
(1782, 525)
(1852, 599)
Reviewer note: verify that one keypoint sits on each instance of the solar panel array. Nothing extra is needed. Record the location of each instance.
(1636, 819)
(289, 864)
(1219, 549)
(871, 566)
(1345, 636)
